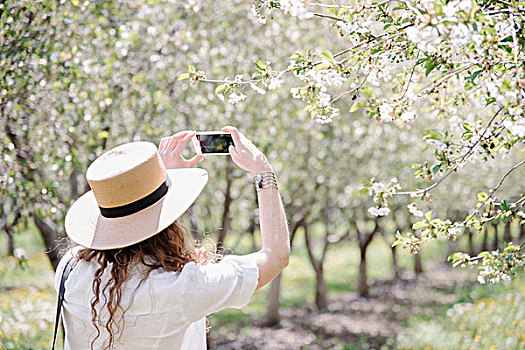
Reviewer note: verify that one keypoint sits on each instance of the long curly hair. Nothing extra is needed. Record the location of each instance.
(170, 250)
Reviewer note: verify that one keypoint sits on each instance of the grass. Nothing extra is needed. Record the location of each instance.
(489, 317)
(341, 270)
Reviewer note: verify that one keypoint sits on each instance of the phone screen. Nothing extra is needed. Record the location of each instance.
(214, 143)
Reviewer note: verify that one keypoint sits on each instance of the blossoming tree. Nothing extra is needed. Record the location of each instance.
(457, 64)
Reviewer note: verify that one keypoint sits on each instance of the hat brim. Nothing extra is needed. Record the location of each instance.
(86, 226)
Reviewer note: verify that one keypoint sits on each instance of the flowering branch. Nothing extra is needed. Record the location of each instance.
(494, 189)
(424, 191)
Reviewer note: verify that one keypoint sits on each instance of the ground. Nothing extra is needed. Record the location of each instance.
(367, 323)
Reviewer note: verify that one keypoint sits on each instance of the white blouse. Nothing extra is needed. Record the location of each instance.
(167, 311)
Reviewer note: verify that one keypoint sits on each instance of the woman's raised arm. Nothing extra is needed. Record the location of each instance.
(275, 252)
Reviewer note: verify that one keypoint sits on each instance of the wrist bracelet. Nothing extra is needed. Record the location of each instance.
(265, 179)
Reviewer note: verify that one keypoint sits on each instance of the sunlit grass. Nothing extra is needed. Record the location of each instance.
(490, 317)
(341, 271)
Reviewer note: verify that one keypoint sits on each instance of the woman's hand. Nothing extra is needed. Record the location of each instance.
(245, 154)
(170, 150)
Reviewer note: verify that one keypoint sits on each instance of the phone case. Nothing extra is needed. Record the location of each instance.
(197, 145)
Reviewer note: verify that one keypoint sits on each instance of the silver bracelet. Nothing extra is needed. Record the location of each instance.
(265, 179)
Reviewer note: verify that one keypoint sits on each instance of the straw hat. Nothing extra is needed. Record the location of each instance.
(132, 197)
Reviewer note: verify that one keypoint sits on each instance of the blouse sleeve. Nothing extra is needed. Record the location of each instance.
(213, 287)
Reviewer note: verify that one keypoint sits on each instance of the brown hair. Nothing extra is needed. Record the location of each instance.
(170, 250)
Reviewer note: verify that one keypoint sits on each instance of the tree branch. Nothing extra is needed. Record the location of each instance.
(494, 189)
(435, 184)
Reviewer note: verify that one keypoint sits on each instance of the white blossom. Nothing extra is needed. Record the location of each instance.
(257, 89)
(295, 8)
(408, 116)
(516, 128)
(235, 98)
(296, 92)
(384, 211)
(323, 77)
(274, 83)
(440, 146)
(414, 210)
(385, 112)
(19, 253)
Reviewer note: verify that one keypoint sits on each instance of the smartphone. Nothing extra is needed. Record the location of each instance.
(212, 142)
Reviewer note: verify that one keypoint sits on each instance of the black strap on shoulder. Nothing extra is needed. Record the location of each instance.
(70, 265)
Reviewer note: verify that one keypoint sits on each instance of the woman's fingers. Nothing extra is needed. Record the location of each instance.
(235, 156)
(193, 161)
(236, 136)
(183, 142)
(163, 142)
(173, 140)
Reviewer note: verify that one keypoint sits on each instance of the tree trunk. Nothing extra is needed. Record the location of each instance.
(9, 229)
(395, 265)
(317, 264)
(363, 277)
(273, 316)
(321, 298)
(418, 265)
(485, 242)
(522, 233)
(471, 242)
(506, 235)
(364, 241)
(50, 236)
(10, 243)
(495, 238)
(225, 226)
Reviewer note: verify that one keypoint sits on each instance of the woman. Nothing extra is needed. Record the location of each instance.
(140, 283)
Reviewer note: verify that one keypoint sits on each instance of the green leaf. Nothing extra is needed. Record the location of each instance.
(327, 55)
(428, 215)
(361, 192)
(397, 242)
(184, 76)
(368, 92)
(490, 100)
(103, 134)
(433, 134)
(260, 65)
(466, 126)
(418, 225)
(219, 89)
(431, 64)
(482, 196)
(475, 75)
(505, 205)
(357, 105)
(467, 136)
(436, 168)
(454, 257)
(191, 68)
(321, 67)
